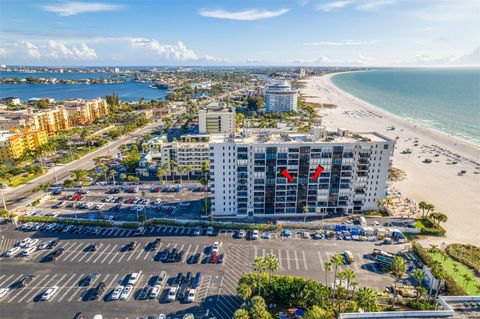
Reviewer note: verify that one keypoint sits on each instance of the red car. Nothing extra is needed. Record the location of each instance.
(213, 258)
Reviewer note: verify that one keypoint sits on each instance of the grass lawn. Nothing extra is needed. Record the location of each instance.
(23, 179)
(462, 269)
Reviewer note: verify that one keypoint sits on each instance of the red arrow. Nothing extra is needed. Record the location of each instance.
(287, 175)
(317, 172)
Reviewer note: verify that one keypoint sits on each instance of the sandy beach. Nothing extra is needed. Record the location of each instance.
(438, 182)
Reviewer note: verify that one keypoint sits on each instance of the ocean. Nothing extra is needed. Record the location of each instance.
(447, 100)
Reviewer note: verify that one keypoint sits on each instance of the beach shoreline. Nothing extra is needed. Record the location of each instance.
(438, 182)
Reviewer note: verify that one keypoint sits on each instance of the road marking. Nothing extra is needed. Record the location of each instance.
(59, 287)
(123, 255)
(138, 256)
(304, 260)
(78, 253)
(288, 259)
(67, 292)
(45, 286)
(280, 259)
(100, 253)
(255, 254)
(32, 291)
(322, 266)
(8, 278)
(114, 248)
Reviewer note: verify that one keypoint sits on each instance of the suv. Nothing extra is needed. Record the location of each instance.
(25, 281)
(97, 291)
(197, 280)
(131, 245)
(87, 281)
(164, 255)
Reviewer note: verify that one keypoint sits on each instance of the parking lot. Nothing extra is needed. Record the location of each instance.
(101, 204)
(216, 294)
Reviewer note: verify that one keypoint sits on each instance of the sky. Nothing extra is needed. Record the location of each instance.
(243, 32)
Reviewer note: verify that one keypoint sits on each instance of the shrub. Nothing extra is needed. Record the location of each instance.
(130, 225)
(421, 305)
(466, 254)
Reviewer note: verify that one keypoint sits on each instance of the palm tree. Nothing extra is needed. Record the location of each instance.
(188, 168)
(328, 267)
(172, 167)
(123, 177)
(111, 174)
(259, 266)
(366, 299)
(180, 170)
(466, 280)
(419, 276)
(349, 276)
(397, 270)
(336, 260)
(434, 249)
(423, 206)
(244, 291)
(271, 265)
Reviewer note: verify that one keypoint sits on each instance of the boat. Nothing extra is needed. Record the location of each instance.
(160, 85)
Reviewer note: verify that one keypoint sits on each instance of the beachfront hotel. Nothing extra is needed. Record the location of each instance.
(246, 172)
(280, 97)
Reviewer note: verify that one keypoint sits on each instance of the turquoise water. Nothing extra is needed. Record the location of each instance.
(443, 99)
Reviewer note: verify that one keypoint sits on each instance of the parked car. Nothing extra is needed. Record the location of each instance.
(172, 294)
(197, 280)
(155, 292)
(134, 277)
(49, 293)
(131, 245)
(126, 292)
(12, 252)
(191, 295)
(161, 278)
(117, 292)
(25, 281)
(210, 231)
(197, 231)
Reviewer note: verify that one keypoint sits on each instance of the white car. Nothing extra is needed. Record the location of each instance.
(117, 292)
(215, 247)
(155, 291)
(43, 245)
(49, 293)
(13, 251)
(210, 231)
(172, 294)
(4, 292)
(99, 206)
(28, 251)
(24, 242)
(191, 295)
(134, 277)
(126, 292)
(255, 234)
(32, 243)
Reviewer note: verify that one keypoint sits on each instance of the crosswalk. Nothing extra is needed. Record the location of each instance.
(70, 289)
(111, 253)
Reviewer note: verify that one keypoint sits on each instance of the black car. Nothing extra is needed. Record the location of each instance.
(144, 293)
(177, 280)
(131, 245)
(179, 256)
(188, 278)
(220, 259)
(79, 315)
(87, 281)
(25, 281)
(164, 255)
(197, 280)
(54, 254)
(250, 235)
(53, 243)
(172, 255)
(154, 244)
(95, 246)
(96, 292)
(195, 258)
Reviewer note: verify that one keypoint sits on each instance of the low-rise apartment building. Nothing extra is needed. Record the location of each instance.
(246, 172)
(14, 143)
(160, 153)
(82, 112)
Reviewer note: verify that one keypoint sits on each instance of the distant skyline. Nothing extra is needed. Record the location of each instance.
(247, 33)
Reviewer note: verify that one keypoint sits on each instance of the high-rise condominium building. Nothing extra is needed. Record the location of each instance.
(14, 143)
(280, 97)
(217, 118)
(246, 172)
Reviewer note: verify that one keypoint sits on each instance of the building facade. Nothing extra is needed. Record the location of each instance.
(160, 153)
(13, 144)
(217, 118)
(246, 172)
(280, 97)
(82, 112)
(50, 121)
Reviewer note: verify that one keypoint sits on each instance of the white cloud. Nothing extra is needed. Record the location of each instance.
(179, 51)
(343, 42)
(334, 5)
(373, 5)
(3, 52)
(71, 8)
(57, 50)
(472, 58)
(362, 5)
(448, 11)
(246, 15)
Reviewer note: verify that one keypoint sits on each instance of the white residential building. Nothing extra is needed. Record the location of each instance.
(217, 118)
(280, 97)
(246, 179)
(160, 153)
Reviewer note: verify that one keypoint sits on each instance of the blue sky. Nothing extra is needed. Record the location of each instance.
(268, 32)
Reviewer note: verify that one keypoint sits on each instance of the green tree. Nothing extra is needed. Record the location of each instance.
(68, 183)
(336, 260)
(257, 308)
(397, 270)
(259, 266)
(366, 299)
(419, 276)
(271, 265)
(241, 314)
(317, 312)
(123, 177)
(328, 267)
(439, 217)
(188, 169)
(244, 291)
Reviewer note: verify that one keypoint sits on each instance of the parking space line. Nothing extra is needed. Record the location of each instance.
(100, 254)
(138, 256)
(75, 293)
(288, 260)
(280, 259)
(16, 293)
(255, 253)
(8, 278)
(59, 287)
(44, 286)
(322, 266)
(92, 254)
(169, 229)
(112, 282)
(33, 288)
(80, 250)
(123, 255)
(188, 251)
(67, 292)
(109, 253)
(304, 260)
(85, 254)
